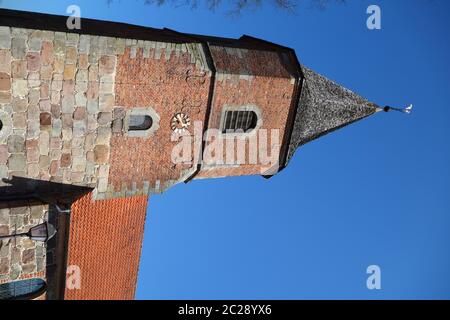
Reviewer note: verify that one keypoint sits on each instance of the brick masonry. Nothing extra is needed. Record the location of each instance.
(64, 103)
(250, 77)
(177, 82)
(61, 92)
(64, 99)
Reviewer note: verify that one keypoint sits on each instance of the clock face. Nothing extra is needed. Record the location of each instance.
(180, 123)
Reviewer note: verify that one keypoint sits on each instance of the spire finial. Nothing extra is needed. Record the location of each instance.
(406, 110)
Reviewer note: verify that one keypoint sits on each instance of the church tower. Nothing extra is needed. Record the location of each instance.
(94, 121)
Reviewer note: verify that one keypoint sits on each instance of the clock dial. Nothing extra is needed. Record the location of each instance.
(180, 123)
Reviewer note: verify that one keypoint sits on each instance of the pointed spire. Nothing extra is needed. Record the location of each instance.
(324, 107)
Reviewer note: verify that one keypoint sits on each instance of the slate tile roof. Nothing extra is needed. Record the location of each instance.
(324, 107)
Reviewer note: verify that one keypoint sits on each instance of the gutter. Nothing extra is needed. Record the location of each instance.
(61, 252)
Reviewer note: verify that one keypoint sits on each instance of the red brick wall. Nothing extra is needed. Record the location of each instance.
(168, 85)
(269, 86)
(173, 84)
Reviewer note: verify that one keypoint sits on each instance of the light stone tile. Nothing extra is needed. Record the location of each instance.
(17, 162)
(102, 45)
(48, 35)
(78, 164)
(92, 106)
(103, 171)
(33, 129)
(133, 52)
(102, 185)
(20, 33)
(80, 99)
(5, 61)
(35, 44)
(103, 136)
(85, 44)
(72, 39)
(19, 88)
(79, 128)
(56, 127)
(44, 141)
(5, 38)
(67, 134)
(68, 104)
(120, 46)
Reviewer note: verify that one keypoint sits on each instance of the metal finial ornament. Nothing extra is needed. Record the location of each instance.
(407, 110)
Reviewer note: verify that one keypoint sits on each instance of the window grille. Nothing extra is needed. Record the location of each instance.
(239, 120)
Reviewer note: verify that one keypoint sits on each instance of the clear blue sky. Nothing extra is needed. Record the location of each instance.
(377, 192)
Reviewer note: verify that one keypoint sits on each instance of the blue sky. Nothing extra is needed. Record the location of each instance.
(376, 192)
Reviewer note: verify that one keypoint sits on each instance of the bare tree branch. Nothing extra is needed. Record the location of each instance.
(236, 7)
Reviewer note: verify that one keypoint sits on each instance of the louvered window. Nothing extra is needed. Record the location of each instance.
(239, 121)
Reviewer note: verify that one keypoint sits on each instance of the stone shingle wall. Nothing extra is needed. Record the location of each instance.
(55, 88)
(21, 258)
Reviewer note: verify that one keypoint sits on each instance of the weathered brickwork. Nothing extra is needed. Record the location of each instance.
(66, 98)
(256, 78)
(65, 106)
(21, 258)
(178, 81)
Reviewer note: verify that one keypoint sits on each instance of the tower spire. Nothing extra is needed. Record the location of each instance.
(325, 106)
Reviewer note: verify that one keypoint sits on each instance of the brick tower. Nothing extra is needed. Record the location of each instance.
(93, 121)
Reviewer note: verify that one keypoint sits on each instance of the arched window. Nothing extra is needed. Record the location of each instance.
(140, 122)
(22, 290)
(239, 121)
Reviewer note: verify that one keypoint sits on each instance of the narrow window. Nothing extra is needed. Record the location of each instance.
(239, 120)
(140, 122)
(23, 289)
